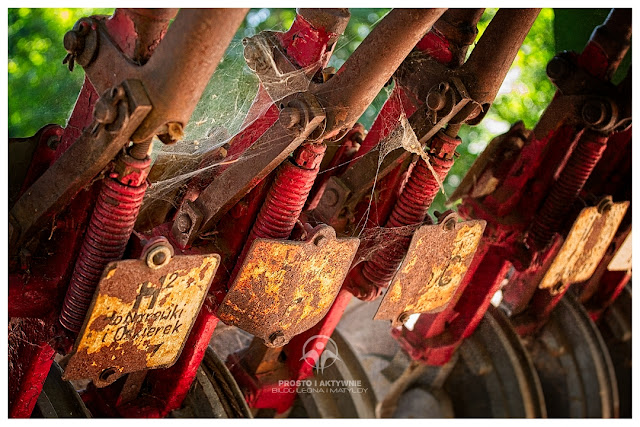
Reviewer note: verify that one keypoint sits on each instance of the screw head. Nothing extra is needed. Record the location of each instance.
(605, 205)
(450, 224)
(159, 258)
(319, 240)
(53, 141)
(107, 374)
(330, 197)
(105, 111)
(403, 317)
(73, 42)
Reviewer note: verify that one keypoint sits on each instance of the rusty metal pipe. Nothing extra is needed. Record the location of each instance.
(492, 57)
(195, 44)
(150, 27)
(347, 94)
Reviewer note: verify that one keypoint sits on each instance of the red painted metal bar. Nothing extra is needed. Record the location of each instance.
(30, 358)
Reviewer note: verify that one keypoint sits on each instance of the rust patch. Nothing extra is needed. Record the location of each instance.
(434, 267)
(285, 287)
(140, 318)
(621, 261)
(584, 247)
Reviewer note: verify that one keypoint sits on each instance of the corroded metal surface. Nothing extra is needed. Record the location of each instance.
(584, 246)
(140, 318)
(622, 259)
(436, 262)
(285, 287)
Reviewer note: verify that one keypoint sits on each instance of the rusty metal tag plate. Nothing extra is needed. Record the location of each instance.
(584, 247)
(621, 261)
(434, 267)
(285, 287)
(140, 317)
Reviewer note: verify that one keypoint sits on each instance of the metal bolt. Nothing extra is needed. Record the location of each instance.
(436, 100)
(105, 111)
(74, 42)
(450, 224)
(557, 68)
(53, 142)
(403, 317)
(358, 137)
(184, 223)
(277, 339)
(319, 240)
(107, 374)
(605, 205)
(290, 117)
(159, 258)
(330, 197)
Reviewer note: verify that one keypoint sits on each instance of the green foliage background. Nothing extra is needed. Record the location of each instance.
(42, 90)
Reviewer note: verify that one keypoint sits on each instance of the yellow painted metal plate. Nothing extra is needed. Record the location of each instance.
(584, 247)
(140, 317)
(285, 287)
(434, 267)
(621, 261)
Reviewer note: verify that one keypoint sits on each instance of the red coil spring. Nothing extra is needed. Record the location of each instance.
(411, 208)
(111, 225)
(566, 189)
(288, 194)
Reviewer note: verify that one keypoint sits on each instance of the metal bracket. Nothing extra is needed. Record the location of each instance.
(286, 287)
(174, 90)
(298, 122)
(435, 264)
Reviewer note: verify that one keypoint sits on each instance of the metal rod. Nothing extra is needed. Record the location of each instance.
(183, 63)
(492, 57)
(347, 94)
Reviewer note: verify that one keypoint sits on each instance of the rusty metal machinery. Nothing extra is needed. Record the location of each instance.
(231, 296)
